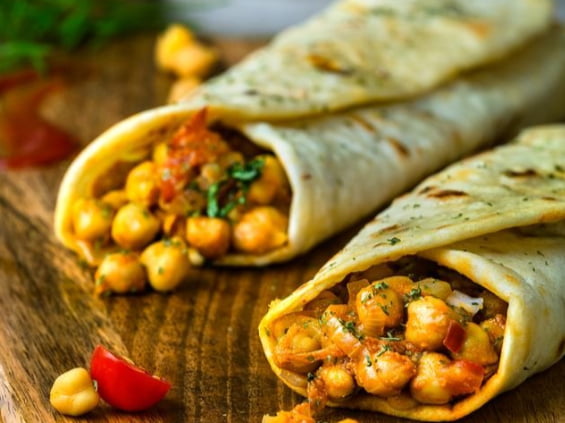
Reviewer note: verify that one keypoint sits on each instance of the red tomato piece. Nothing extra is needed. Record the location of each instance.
(124, 385)
(455, 337)
(465, 377)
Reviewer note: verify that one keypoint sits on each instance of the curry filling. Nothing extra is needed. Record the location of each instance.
(409, 331)
(203, 193)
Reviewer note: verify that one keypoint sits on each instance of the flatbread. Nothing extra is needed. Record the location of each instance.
(366, 51)
(344, 166)
(496, 218)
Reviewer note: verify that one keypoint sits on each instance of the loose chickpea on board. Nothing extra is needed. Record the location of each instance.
(73, 393)
(182, 87)
(179, 52)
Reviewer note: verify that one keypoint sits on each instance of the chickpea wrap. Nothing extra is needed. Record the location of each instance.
(326, 167)
(449, 297)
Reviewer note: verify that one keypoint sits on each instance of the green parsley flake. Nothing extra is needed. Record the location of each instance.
(393, 240)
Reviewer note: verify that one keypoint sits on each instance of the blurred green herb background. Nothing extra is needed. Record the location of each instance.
(32, 30)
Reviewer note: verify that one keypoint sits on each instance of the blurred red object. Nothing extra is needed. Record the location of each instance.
(26, 138)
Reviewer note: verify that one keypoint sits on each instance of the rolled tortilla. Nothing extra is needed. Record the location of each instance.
(366, 51)
(496, 219)
(334, 163)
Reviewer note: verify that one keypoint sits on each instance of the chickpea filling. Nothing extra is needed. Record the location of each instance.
(409, 331)
(203, 193)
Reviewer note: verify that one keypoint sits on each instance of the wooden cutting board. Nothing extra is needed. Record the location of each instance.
(202, 337)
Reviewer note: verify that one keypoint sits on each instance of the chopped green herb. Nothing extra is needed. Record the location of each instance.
(310, 377)
(107, 212)
(384, 349)
(390, 337)
(213, 209)
(414, 294)
(243, 175)
(100, 280)
(98, 244)
(384, 308)
(247, 172)
(350, 327)
(368, 361)
(393, 240)
(366, 297)
(379, 286)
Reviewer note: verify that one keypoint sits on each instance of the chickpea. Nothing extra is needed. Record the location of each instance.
(92, 219)
(166, 263)
(477, 346)
(340, 329)
(116, 198)
(193, 59)
(209, 174)
(300, 413)
(184, 203)
(375, 273)
(260, 230)
(378, 308)
(495, 327)
(435, 287)
(209, 235)
(173, 225)
(438, 379)
(134, 226)
(280, 326)
(160, 153)
(141, 184)
(271, 182)
(230, 158)
(182, 88)
(321, 302)
(73, 393)
(383, 373)
(295, 347)
(353, 289)
(428, 320)
(170, 42)
(492, 305)
(120, 273)
(402, 285)
(339, 383)
(429, 386)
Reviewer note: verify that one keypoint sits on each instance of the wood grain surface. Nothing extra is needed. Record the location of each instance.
(203, 337)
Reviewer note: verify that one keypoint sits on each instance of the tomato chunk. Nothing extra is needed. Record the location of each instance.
(124, 385)
(465, 377)
(454, 337)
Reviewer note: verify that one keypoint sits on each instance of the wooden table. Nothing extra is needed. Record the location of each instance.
(203, 337)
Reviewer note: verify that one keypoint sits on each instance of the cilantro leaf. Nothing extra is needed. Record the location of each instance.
(247, 172)
(213, 208)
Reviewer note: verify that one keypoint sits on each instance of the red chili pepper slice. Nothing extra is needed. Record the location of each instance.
(455, 337)
(124, 385)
